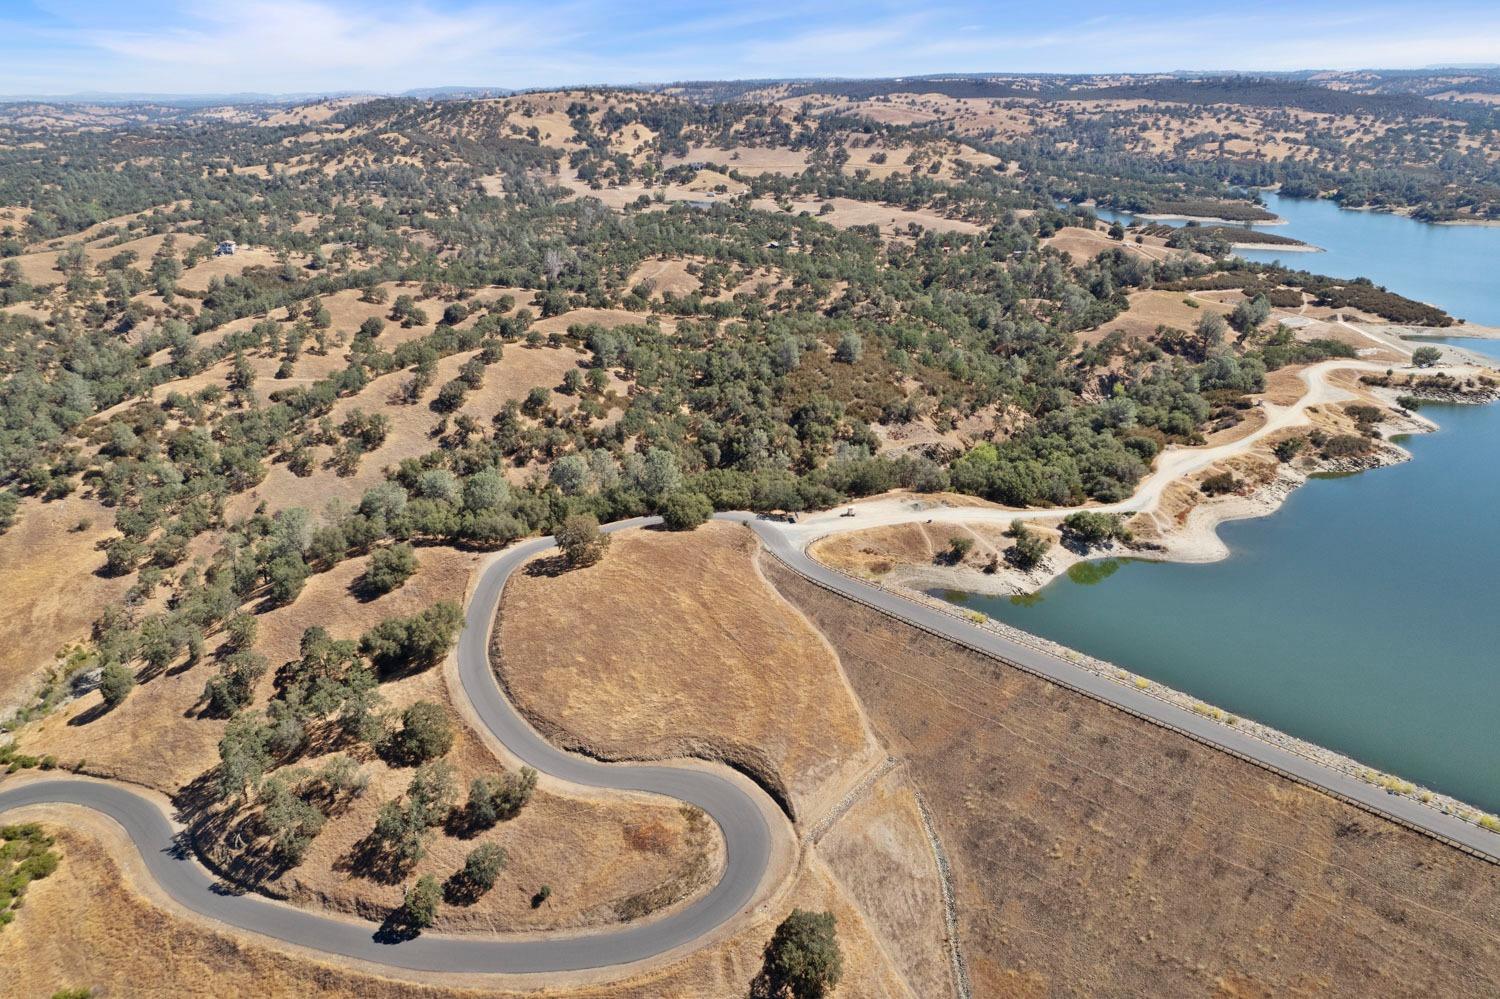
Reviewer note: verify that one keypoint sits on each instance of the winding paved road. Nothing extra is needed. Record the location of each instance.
(742, 819)
(747, 834)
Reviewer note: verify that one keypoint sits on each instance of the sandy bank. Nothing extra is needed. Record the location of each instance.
(1279, 247)
(1208, 218)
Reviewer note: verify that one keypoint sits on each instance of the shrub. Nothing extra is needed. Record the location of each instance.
(958, 548)
(389, 568)
(1347, 446)
(684, 510)
(1288, 449)
(25, 856)
(1219, 484)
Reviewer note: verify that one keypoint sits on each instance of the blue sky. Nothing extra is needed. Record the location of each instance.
(285, 46)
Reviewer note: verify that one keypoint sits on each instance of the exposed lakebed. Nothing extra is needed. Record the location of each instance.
(1363, 614)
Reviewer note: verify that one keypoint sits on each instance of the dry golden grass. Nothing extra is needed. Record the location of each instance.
(50, 588)
(1096, 854)
(90, 925)
(890, 221)
(591, 851)
(880, 855)
(1150, 309)
(41, 268)
(750, 160)
(665, 276)
(673, 645)
(85, 927)
(1082, 245)
(412, 425)
(199, 277)
(156, 738)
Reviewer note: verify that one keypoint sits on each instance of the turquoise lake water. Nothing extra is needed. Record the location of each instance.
(1363, 614)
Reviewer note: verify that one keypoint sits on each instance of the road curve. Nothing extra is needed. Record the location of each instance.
(747, 834)
(741, 818)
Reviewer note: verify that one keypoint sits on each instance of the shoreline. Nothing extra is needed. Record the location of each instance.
(1405, 211)
(1196, 540)
(1166, 217)
(1279, 247)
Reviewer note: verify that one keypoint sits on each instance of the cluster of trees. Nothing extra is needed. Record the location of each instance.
(772, 388)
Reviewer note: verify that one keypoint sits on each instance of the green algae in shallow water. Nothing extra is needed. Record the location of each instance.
(1089, 573)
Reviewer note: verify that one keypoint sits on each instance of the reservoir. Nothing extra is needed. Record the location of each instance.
(1450, 266)
(1362, 614)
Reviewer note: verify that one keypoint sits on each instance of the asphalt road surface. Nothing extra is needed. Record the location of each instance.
(747, 835)
(747, 838)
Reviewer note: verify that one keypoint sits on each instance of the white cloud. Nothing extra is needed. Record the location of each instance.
(282, 45)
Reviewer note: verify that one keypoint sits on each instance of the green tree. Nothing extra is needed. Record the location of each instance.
(1249, 314)
(289, 820)
(285, 577)
(389, 568)
(1426, 357)
(115, 683)
(803, 958)
(481, 868)
(494, 799)
(425, 734)
(1028, 548)
(850, 349)
(240, 632)
(419, 905)
(1089, 529)
(416, 642)
(581, 541)
(234, 687)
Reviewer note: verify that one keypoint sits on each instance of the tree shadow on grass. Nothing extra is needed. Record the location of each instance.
(370, 859)
(549, 567)
(92, 715)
